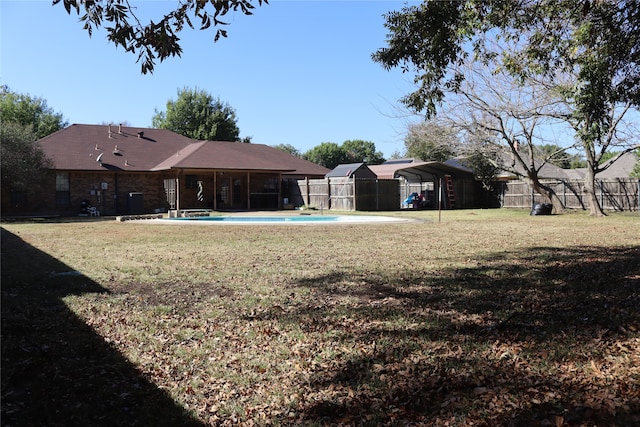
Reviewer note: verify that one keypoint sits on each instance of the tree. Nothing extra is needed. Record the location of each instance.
(493, 122)
(198, 115)
(558, 156)
(485, 156)
(288, 148)
(25, 119)
(327, 154)
(22, 161)
(635, 172)
(430, 141)
(596, 44)
(158, 39)
(358, 151)
(26, 110)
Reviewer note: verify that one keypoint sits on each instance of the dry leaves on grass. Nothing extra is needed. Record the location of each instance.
(381, 336)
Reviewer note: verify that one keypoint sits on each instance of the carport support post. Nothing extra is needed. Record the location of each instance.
(440, 200)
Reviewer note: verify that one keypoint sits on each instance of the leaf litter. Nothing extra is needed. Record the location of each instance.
(513, 336)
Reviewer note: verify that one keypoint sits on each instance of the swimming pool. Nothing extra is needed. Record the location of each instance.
(289, 219)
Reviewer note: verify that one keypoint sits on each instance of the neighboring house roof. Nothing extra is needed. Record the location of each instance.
(412, 170)
(124, 148)
(547, 170)
(621, 168)
(351, 169)
(575, 173)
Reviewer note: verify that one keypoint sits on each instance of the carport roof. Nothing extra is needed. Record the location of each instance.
(424, 170)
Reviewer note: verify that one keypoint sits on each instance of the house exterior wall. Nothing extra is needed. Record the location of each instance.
(119, 192)
(110, 192)
(114, 193)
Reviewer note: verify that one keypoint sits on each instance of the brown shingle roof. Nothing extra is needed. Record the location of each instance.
(78, 147)
(235, 155)
(94, 148)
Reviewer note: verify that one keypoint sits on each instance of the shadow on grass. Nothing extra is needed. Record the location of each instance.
(56, 371)
(508, 340)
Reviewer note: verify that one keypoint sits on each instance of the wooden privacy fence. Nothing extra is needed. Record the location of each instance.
(348, 194)
(614, 194)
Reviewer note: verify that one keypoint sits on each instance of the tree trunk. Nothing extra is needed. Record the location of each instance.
(548, 193)
(590, 191)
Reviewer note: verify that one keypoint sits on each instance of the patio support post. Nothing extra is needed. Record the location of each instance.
(215, 190)
(177, 194)
(280, 201)
(248, 191)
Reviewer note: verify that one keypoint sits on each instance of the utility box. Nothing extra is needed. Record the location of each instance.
(135, 203)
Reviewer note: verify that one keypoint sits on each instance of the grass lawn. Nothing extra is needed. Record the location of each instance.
(487, 318)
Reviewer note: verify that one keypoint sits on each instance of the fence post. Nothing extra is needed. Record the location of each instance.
(306, 181)
(353, 205)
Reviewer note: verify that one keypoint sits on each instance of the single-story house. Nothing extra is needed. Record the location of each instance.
(125, 170)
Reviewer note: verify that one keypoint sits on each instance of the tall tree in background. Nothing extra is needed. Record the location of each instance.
(596, 43)
(157, 40)
(25, 119)
(559, 156)
(327, 154)
(357, 151)
(288, 148)
(22, 161)
(26, 110)
(198, 115)
(430, 142)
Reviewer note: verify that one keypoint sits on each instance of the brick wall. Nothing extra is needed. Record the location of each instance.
(108, 191)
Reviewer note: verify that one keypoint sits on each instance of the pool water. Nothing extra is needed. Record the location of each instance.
(302, 219)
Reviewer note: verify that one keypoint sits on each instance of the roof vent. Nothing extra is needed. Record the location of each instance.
(120, 128)
(141, 134)
(116, 151)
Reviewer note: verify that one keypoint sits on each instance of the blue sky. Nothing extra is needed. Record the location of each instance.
(296, 72)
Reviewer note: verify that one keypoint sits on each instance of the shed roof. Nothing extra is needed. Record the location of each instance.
(347, 169)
